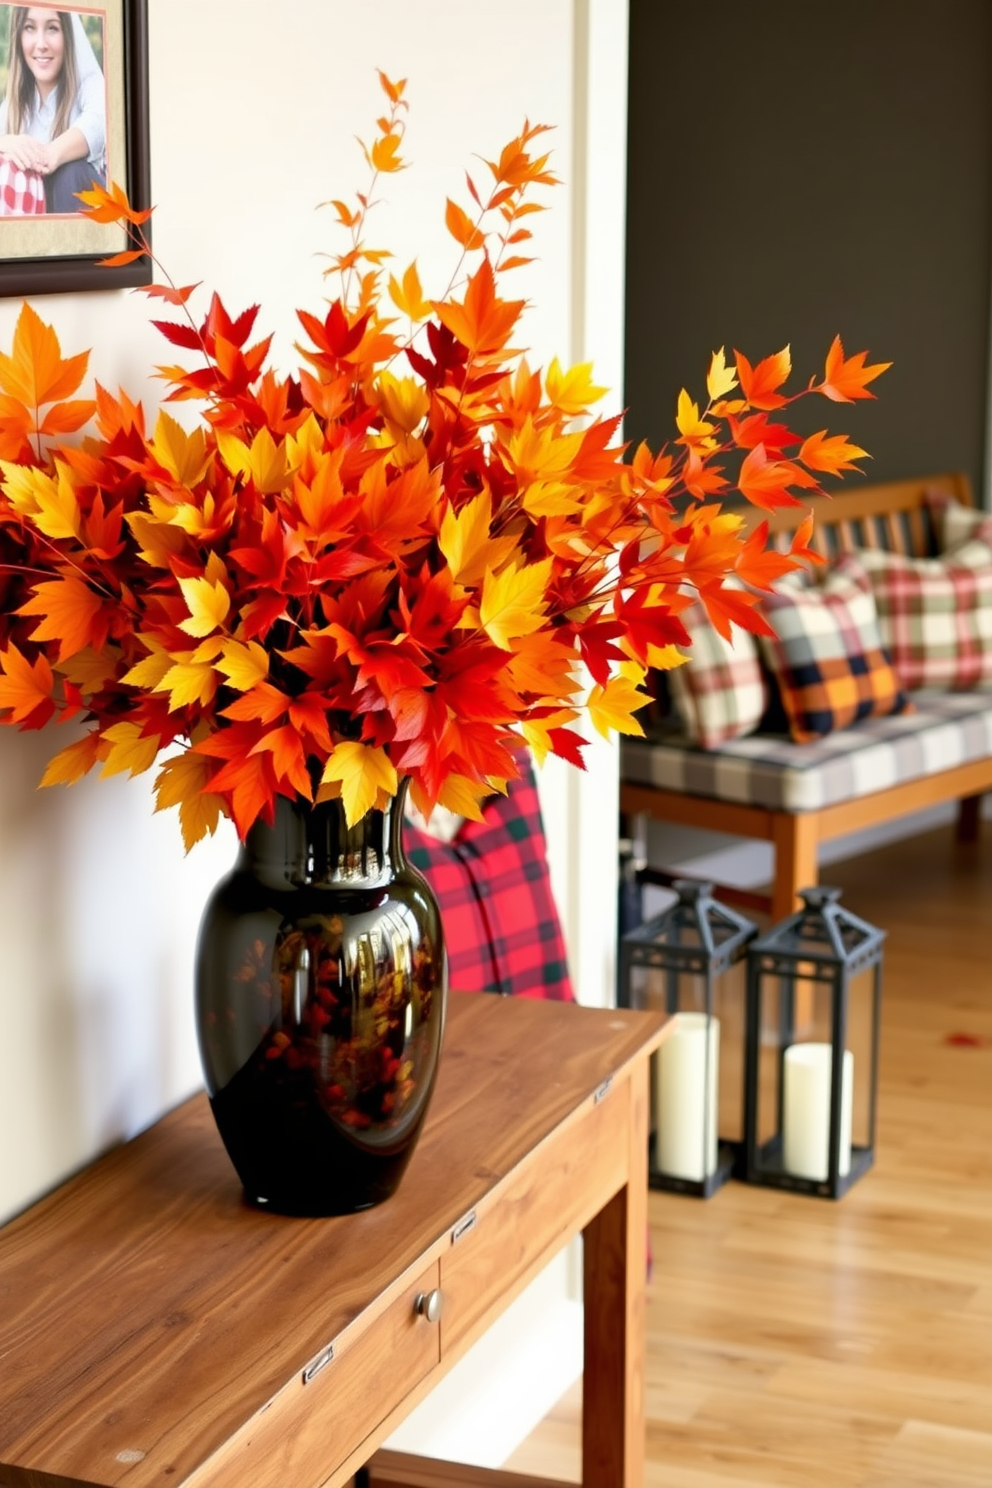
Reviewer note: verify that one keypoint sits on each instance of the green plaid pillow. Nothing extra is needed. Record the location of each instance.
(720, 693)
(827, 657)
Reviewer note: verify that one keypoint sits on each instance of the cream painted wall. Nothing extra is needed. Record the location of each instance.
(253, 113)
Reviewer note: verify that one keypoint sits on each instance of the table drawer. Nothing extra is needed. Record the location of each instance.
(314, 1424)
(526, 1219)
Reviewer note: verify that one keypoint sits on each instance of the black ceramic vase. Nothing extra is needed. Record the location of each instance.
(320, 992)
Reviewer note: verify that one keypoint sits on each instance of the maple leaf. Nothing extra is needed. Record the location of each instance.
(407, 294)
(361, 773)
(464, 539)
(188, 682)
(760, 384)
(129, 749)
(831, 454)
(720, 379)
(289, 763)
(612, 706)
(74, 761)
(725, 606)
(573, 391)
(69, 613)
(185, 456)
(513, 602)
(264, 463)
(182, 781)
(26, 688)
(209, 605)
(766, 482)
(36, 372)
(102, 205)
(759, 565)
(845, 378)
(481, 322)
(243, 665)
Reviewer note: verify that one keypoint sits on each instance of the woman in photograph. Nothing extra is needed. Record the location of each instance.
(53, 119)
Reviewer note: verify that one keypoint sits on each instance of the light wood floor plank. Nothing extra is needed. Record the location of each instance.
(794, 1343)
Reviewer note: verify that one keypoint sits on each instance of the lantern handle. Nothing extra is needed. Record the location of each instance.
(819, 896)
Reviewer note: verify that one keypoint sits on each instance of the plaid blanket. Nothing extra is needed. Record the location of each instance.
(501, 926)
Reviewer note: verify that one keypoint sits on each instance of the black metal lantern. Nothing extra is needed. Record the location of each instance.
(689, 961)
(814, 991)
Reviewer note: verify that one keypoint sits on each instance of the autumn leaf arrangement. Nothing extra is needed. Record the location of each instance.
(390, 563)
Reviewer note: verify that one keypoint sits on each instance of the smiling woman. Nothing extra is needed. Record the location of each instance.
(53, 118)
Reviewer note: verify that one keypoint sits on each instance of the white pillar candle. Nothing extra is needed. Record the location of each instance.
(686, 1088)
(806, 1111)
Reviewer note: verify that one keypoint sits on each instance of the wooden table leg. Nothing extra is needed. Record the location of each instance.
(614, 1285)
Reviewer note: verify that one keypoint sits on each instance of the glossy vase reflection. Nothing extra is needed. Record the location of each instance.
(320, 991)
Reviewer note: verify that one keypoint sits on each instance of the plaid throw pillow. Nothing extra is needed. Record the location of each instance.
(827, 657)
(501, 925)
(934, 614)
(720, 693)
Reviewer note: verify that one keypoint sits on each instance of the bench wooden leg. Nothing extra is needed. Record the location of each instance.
(795, 839)
(969, 817)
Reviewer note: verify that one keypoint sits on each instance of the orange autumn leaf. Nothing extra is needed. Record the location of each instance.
(36, 373)
(69, 612)
(25, 686)
(461, 227)
(481, 322)
(766, 482)
(760, 384)
(831, 454)
(846, 378)
(182, 782)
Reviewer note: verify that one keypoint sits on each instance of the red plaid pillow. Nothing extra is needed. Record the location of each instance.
(934, 614)
(501, 925)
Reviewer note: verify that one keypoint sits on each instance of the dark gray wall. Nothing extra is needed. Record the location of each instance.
(799, 168)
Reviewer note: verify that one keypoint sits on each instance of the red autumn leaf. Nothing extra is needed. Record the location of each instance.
(759, 429)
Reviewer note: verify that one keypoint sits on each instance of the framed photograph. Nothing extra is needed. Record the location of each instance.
(73, 110)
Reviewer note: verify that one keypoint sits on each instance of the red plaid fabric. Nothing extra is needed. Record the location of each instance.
(501, 925)
(934, 614)
(22, 193)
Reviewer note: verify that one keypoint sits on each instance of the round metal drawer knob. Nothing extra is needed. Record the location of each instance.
(429, 1305)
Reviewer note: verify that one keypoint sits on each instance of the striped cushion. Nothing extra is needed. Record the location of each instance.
(827, 657)
(945, 729)
(934, 614)
(720, 693)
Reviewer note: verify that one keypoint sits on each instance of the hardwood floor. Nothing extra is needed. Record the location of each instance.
(798, 1343)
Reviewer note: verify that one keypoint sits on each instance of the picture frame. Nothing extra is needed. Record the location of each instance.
(52, 249)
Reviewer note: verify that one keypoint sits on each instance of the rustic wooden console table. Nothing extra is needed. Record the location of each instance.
(155, 1332)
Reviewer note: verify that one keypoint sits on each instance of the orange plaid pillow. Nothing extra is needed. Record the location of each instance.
(827, 657)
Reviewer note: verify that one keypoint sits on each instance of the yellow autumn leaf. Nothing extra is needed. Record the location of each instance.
(513, 602)
(243, 665)
(408, 296)
(535, 454)
(665, 658)
(180, 783)
(208, 604)
(690, 425)
(151, 669)
(51, 504)
(184, 456)
(188, 682)
(573, 391)
(129, 749)
(464, 797)
(611, 708)
(361, 771)
(552, 499)
(720, 379)
(158, 541)
(89, 670)
(74, 761)
(466, 543)
(404, 401)
(264, 463)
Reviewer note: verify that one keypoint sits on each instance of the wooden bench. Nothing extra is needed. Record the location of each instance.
(897, 517)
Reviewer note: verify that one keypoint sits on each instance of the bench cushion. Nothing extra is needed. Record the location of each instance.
(944, 730)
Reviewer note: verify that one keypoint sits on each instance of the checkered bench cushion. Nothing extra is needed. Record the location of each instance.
(945, 729)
